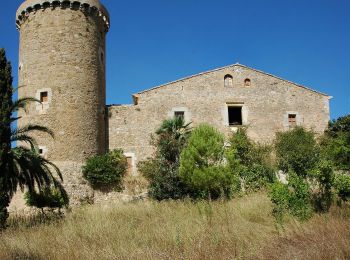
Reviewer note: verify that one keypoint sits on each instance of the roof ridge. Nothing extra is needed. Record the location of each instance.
(225, 67)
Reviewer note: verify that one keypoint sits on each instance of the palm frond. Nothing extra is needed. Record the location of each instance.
(30, 128)
(34, 170)
(22, 103)
(26, 139)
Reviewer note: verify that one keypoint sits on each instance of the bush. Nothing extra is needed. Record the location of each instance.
(322, 178)
(47, 197)
(342, 186)
(300, 197)
(164, 180)
(252, 161)
(336, 143)
(202, 165)
(162, 170)
(279, 195)
(293, 198)
(106, 171)
(297, 151)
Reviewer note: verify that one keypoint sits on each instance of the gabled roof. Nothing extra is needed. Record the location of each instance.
(233, 65)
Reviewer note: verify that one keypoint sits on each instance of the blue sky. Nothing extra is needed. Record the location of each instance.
(157, 41)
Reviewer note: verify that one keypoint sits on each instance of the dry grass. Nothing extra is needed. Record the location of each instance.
(242, 228)
(134, 185)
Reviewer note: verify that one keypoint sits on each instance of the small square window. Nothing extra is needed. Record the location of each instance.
(292, 120)
(44, 96)
(41, 151)
(179, 114)
(235, 116)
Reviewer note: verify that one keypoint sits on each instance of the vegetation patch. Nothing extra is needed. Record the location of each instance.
(106, 171)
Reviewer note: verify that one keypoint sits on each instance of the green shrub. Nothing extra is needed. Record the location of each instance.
(106, 171)
(164, 182)
(202, 165)
(279, 195)
(322, 178)
(297, 151)
(342, 186)
(336, 143)
(293, 198)
(252, 161)
(162, 170)
(47, 197)
(300, 197)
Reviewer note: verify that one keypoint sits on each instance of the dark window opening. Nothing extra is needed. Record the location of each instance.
(247, 82)
(41, 151)
(44, 97)
(235, 116)
(292, 120)
(180, 114)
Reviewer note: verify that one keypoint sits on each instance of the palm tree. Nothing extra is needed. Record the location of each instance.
(21, 166)
(172, 136)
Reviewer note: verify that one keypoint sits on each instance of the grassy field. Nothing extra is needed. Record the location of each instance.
(242, 228)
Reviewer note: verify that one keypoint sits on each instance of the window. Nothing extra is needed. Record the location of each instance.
(42, 150)
(292, 120)
(102, 57)
(129, 166)
(179, 114)
(44, 96)
(247, 82)
(235, 116)
(228, 80)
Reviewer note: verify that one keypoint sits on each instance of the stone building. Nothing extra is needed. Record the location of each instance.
(62, 63)
(226, 98)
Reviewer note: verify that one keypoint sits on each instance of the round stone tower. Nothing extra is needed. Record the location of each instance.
(62, 63)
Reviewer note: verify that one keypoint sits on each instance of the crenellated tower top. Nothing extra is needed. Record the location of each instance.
(89, 7)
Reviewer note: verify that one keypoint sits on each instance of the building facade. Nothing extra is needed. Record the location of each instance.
(226, 98)
(62, 63)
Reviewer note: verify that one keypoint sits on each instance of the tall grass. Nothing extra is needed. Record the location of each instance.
(242, 228)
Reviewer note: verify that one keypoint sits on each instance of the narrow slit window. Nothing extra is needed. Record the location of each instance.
(44, 97)
(102, 57)
(41, 151)
(292, 120)
(235, 116)
(180, 114)
(129, 166)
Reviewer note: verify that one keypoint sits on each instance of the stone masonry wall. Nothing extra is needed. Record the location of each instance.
(205, 98)
(62, 53)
